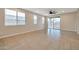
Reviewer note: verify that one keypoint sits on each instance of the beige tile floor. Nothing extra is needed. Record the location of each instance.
(41, 40)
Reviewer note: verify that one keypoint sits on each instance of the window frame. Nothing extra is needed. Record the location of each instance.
(6, 20)
(21, 19)
(16, 20)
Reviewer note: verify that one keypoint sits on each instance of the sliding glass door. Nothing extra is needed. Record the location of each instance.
(50, 23)
(54, 23)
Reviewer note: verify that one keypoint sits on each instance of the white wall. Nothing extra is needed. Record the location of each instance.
(68, 21)
(77, 21)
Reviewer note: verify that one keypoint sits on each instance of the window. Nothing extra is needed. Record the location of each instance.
(14, 17)
(21, 18)
(35, 19)
(43, 20)
(10, 17)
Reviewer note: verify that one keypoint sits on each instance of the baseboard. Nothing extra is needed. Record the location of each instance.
(9, 35)
(68, 30)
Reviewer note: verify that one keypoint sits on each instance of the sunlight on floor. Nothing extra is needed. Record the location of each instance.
(54, 33)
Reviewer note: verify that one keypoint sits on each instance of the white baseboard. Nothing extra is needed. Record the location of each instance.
(9, 35)
(68, 30)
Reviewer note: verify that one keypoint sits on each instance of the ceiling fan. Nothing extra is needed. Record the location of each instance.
(52, 12)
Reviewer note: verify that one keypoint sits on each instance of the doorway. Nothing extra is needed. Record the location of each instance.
(54, 23)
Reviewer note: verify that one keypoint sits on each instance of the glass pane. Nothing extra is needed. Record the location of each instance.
(21, 14)
(57, 23)
(10, 17)
(50, 23)
(21, 22)
(43, 20)
(10, 12)
(21, 18)
(35, 19)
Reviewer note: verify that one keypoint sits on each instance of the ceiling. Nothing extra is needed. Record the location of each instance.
(45, 11)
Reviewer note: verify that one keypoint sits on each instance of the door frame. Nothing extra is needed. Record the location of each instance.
(53, 23)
